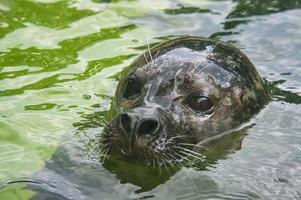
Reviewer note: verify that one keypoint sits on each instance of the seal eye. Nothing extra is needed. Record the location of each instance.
(132, 87)
(199, 103)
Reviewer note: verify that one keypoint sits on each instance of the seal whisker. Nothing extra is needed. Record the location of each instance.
(102, 147)
(171, 158)
(178, 136)
(170, 163)
(180, 165)
(187, 175)
(105, 155)
(148, 49)
(93, 149)
(165, 165)
(203, 59)
(106, 122)
(148, 156)
(149, 52)
(183, 157)
(163, 162)
(172, 167)
(191, 155)
(87, 145)
(176, 159)
(85, 134)
(104, 133)
(102, 150)
(203, 69)
(146, 61)
(100, 157)
(158, 164)
(99, 141)
(193, 145)
(154, 163)
(189, 151)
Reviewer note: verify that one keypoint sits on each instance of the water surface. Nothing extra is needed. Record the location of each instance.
(59, 66)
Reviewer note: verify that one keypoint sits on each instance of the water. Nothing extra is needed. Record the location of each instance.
(59, 67)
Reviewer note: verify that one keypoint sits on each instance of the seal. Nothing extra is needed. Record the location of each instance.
(177, 95)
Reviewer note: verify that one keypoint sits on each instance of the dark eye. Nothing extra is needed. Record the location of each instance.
(132, 87)
(199, 103)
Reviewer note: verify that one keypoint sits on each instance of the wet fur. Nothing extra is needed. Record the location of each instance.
(171, 72)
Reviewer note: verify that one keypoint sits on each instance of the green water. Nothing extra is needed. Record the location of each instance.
(59, 66)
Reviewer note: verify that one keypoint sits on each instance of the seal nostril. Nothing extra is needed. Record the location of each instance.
(125, 121)
(148, 126)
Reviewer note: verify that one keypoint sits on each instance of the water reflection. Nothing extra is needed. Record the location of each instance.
(71, 168)
(187, 10)
(70, 174)
(244, 10)
(54, 15)
(148, 178)
(248, 8)
(57, 59)
(283, 95)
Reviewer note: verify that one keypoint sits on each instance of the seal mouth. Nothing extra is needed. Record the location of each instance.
(119, 143)
(155, 150)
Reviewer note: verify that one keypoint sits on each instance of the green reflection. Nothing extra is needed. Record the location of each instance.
(95, 119)
(146, 178)
(16, 192)
(149, 177)
(96, 66)
(32, 137)
(42, 106)
(56, 59)
(54, 15)
(247, 8)
(187, 10)
(230, 24)
(218, 35)
(283, 95)
(221, 148)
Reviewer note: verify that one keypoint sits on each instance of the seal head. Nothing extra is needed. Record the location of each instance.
(180, 93)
